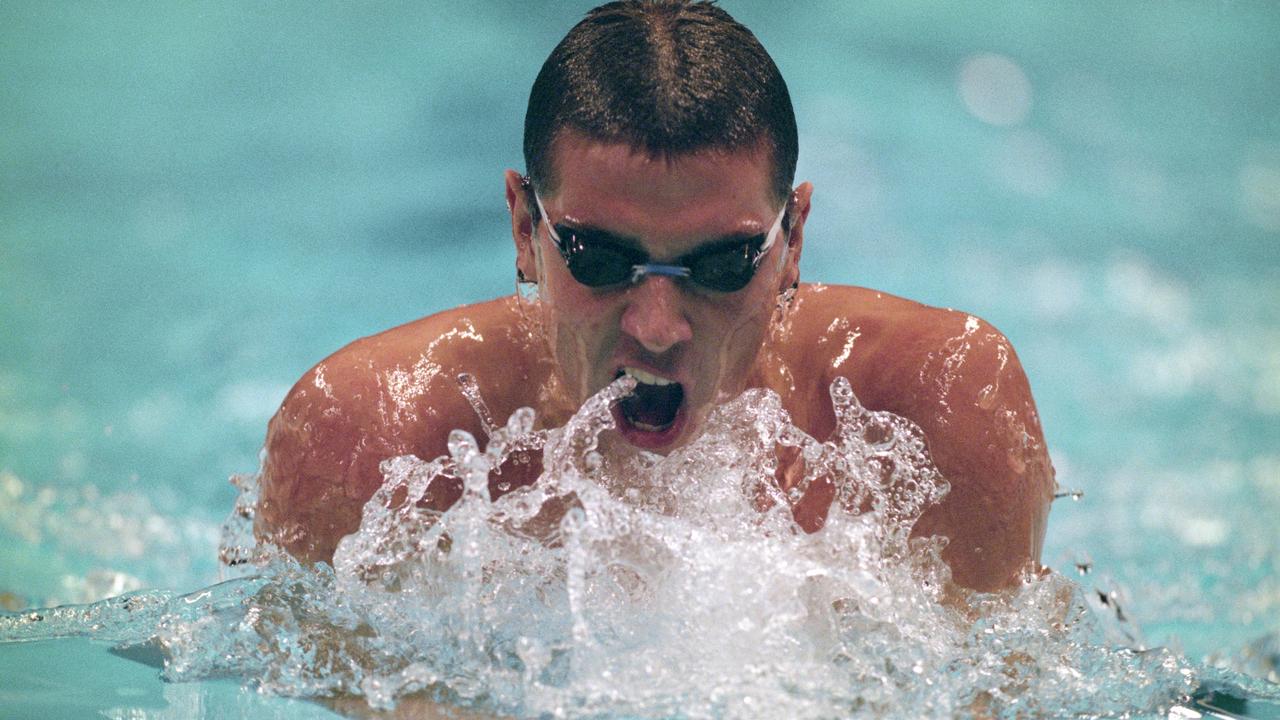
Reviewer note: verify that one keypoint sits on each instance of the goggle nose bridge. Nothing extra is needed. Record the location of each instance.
(638, 272)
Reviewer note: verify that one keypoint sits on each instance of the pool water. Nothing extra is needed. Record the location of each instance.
(195, 206)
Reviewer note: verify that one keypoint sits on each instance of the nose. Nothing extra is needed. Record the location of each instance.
(654, 315)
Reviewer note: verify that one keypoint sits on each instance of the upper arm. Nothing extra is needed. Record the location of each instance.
(390, 394)
(973, 402)
(321, 464)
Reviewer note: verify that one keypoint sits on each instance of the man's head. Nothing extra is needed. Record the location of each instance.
(661, 147)
(667, 77)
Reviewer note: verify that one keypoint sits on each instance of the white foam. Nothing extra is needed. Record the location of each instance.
(648, 586)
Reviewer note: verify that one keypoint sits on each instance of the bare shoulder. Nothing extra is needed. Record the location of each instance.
(388, 394)
(958, 378)
(886, 345)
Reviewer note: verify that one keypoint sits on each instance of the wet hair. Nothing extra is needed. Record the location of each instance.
(669, 77)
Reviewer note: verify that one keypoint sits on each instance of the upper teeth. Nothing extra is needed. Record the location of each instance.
(646, 378)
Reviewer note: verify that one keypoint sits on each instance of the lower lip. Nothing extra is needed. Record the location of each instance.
(649, 439)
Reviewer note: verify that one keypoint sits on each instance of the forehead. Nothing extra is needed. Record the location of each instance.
(629, 191)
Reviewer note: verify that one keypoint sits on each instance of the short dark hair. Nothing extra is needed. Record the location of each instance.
(668, 77)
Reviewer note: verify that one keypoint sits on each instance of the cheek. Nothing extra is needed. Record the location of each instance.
(741, 334)
(746, 337)
(578, 330)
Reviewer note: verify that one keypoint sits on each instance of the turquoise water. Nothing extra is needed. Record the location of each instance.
(199, 202)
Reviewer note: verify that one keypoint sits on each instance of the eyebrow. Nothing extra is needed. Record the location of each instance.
(590, 232)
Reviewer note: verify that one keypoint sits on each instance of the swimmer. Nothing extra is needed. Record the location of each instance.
(658, 221)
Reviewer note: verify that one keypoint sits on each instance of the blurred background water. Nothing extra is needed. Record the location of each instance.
(199, 201)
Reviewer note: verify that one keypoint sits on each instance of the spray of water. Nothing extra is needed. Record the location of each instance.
(676, 586)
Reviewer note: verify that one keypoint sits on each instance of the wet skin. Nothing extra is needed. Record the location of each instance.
(395, 393)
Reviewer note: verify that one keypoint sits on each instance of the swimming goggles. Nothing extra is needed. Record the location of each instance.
(601, 261)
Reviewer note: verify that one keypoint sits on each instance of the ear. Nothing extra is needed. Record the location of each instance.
(518, 199)
(798, 213)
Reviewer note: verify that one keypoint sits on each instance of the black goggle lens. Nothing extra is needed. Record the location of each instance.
(597, 263)
(725, 269)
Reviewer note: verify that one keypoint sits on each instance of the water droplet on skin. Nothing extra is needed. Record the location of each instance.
(987, 397)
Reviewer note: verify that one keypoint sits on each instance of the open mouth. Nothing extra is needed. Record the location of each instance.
(654, 405)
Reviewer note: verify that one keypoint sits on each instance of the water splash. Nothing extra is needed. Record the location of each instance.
(677, 586)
